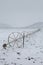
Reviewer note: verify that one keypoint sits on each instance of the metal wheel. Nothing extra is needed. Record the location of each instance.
(15, 38)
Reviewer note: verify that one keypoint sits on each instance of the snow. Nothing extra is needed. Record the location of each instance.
(31, 54)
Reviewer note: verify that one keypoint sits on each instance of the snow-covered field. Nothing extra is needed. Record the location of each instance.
(31, 54)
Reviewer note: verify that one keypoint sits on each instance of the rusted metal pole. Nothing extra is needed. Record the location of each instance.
(23, 39)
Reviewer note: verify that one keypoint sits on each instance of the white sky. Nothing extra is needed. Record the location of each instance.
(21, 12)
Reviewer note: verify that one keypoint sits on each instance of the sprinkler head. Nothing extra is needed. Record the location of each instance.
(4, 46)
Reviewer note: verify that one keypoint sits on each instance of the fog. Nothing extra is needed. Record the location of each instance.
(21, 12)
